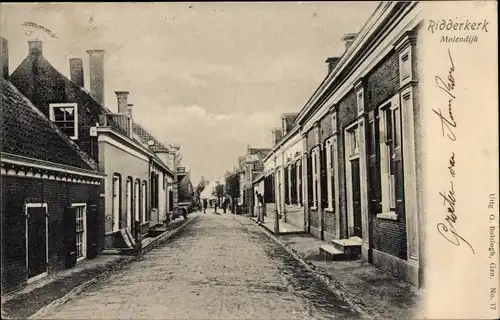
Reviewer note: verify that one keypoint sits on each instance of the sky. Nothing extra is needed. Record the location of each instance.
(212, 77)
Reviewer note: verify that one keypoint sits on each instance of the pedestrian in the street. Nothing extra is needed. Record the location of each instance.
(215, 207)
(205, 203)
(225, 204)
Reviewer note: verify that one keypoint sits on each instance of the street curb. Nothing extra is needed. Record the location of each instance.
(334, 286)
(87, 284)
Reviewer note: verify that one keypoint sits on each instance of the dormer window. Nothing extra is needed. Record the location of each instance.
(65, 116)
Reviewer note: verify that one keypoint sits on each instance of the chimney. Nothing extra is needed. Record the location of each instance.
(5, 58)
(332, 63)
(76, 71)
(122, 97)
(348, 38)
(96, 66)
(129, 108)
(35, 47)
(277, 135)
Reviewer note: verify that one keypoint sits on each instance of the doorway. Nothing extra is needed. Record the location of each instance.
(37, 238)
(356, 197)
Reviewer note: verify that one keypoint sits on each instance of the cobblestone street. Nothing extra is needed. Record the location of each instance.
(220, 267)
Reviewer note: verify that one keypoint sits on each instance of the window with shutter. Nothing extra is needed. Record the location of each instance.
(323, 177)
(309, 175)
(286, 185)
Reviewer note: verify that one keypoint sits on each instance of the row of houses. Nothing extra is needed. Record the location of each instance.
(77, 178)
(346, 166)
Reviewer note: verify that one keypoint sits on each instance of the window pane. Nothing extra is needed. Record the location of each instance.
(388, 125)
(69, 113)
(397, 127)
(59, 114)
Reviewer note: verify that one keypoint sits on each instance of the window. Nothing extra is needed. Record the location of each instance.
(299, 183)
(314, 157)
(329, 165)
(360, 101)
(129, 203)
(144, 197)
(334, 122)
(65, 116)
(116, 202)
(353, 142)
(287, 185)
(390, 127)
(81, 228)
(137, 200)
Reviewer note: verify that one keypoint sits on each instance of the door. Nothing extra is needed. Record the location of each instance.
(94, 230)
(356, 197)
(36, 240)
(69, 232)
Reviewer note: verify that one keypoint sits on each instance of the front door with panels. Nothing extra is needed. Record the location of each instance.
(36, 240)
(353, 181)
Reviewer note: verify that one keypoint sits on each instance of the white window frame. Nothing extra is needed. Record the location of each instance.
(144, 195)
(298, 166)
(52, 106)
(329, 173)
(37, 205)
(315, 167)
(137, 199)
(116, 200)
(84, 239)
(387, 180)
(353, 133)
(334, 122)
(360, 100)
(128, 202)
(405, 66)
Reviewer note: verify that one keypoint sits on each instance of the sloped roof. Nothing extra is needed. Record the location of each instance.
(146, 137)
(262, 152)
(44, 64)
(26, 131)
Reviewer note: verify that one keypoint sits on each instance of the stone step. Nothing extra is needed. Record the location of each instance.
(350, 247)
(330, 253)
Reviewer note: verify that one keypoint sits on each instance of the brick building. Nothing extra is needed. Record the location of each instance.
(360, 151)
(135, 195)
(51, 217)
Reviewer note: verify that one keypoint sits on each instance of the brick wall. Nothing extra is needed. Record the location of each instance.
(57, 194)
(382, 81)
(346, 114)
(389, 236)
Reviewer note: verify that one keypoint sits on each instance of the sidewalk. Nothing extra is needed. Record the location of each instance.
(374, 290)
(58, 287)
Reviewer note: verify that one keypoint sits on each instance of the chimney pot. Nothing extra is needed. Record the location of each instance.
(332, 63)
(5, 58)
(348, 38)
(122, 97)
(35, 47)
(96, 66)
(76, 71)
(130, 106)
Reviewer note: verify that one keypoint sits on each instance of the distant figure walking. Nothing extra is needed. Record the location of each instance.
(225, 204)
(205, 204)
(215, 206)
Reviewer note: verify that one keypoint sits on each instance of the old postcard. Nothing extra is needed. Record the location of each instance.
(259, 160)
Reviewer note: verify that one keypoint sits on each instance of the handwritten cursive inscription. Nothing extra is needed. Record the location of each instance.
(447, 229)
(447, 122)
